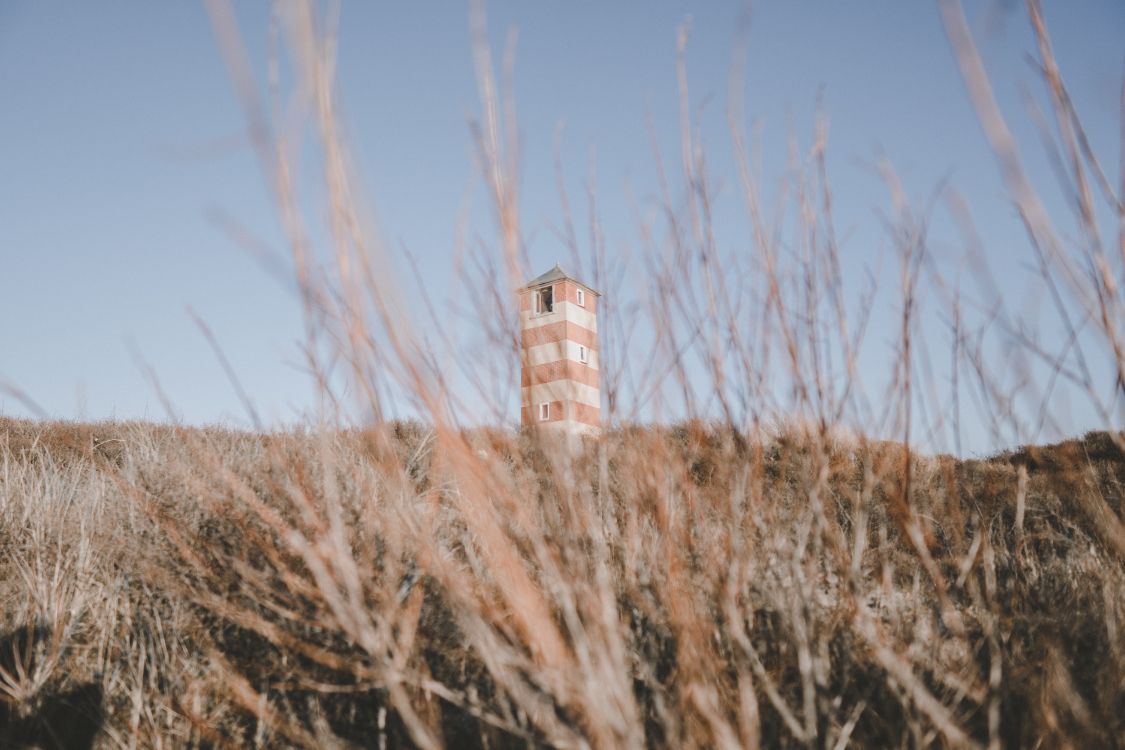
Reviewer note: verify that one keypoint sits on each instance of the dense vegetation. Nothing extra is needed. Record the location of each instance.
(684, 586)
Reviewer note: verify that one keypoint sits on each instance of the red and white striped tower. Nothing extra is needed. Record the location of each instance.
(559, 378)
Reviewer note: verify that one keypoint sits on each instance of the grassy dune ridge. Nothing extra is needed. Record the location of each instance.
(678, 586)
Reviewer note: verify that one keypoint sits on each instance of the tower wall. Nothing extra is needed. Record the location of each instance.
(552, 371)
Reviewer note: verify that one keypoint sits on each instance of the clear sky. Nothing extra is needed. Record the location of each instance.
(120, 138)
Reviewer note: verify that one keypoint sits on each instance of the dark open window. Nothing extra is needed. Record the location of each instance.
(545, 300)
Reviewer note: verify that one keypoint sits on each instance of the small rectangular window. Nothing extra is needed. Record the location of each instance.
(544, 412)
(544, 300)
(581, 298)
(583, 354)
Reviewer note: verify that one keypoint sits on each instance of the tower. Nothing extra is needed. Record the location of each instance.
(559, 373)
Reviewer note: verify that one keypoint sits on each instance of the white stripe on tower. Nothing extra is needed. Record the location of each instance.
(563, 390)
(542, 354)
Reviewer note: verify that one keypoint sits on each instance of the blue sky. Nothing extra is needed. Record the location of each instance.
(120, 138)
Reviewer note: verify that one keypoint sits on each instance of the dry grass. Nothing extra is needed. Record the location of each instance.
(720, 583)
(670, 587)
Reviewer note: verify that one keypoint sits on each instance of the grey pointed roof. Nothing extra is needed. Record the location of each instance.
(558, 274)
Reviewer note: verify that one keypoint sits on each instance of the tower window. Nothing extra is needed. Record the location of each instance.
(581, 298)
(545, 300)
(544, 412)
(583, 354)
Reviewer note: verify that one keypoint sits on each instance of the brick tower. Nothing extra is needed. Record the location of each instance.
(559, 377)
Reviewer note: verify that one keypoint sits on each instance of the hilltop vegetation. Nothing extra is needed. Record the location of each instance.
(681, 586)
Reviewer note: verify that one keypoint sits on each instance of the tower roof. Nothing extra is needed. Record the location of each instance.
(558, 274)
